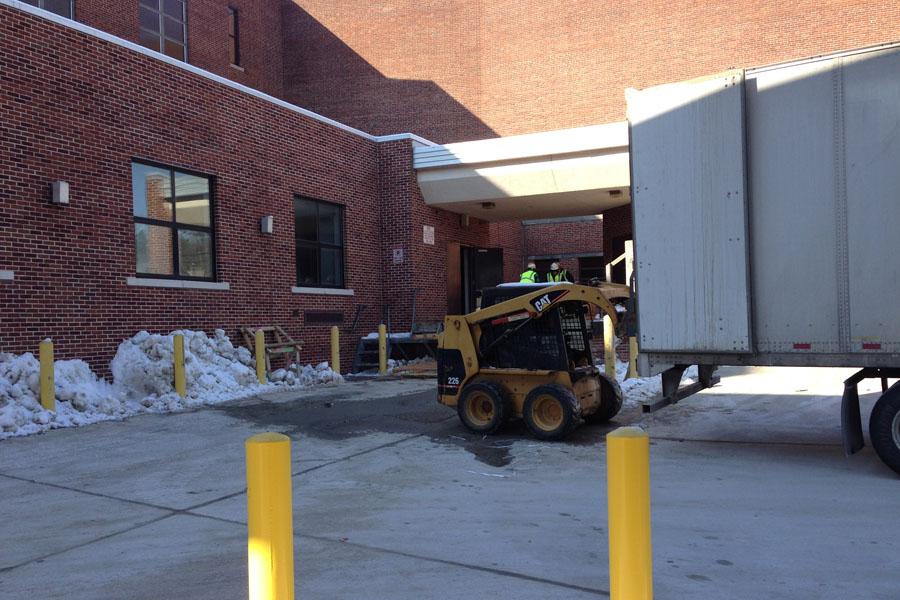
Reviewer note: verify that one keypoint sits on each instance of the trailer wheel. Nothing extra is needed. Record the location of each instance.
(610, 402)
(884, 427)
(551, 412)
(483, 406)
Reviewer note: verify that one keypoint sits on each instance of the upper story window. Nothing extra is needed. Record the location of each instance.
(64, 8)
(234, 37)
(162, 27)
(172, 223)
(319, 236)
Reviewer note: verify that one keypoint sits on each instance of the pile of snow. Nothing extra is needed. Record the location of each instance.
(373, 335)
(81, 397)
(640, 389)
(308, 375)
(395, 365)
(214, 369)
(143, 381)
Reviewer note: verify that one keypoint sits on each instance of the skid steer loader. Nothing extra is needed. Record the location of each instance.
(525, 354)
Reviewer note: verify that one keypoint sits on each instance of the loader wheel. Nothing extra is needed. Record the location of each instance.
(884, 427)
(551, 412)
(610, 402)
(483, 406)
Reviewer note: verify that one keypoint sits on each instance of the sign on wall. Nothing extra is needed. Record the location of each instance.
(398, 256)
(428, 234)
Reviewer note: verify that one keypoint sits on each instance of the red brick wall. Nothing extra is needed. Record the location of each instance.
(458, 70)
(208, 41)
(424, 265)
(79, 110)
(573, 237)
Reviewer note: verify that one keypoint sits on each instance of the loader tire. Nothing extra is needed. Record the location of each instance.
(484, 406)
(884, 427)
(551, 411)
(610, 402)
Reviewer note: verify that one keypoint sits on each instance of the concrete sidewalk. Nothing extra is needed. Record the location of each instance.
(752, 498)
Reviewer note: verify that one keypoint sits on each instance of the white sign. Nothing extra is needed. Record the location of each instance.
(428, 234)
(398, 256)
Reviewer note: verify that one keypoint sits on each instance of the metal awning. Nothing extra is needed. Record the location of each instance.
(565, 173)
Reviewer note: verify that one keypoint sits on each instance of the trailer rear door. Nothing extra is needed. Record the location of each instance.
(690, 215)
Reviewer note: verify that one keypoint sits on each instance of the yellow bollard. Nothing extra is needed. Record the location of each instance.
(632, 358)
(48, 388)
(178, 359)
(260, 355)
(270, 536)
(609, 347)
(628, 489)
(335, 350)
(382, 349)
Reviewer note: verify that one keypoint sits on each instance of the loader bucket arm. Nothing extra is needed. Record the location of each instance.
(535, 304)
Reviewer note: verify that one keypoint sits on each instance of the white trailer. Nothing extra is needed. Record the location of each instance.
(766, 207)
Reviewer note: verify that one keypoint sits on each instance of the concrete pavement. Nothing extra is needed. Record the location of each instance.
(752, 498)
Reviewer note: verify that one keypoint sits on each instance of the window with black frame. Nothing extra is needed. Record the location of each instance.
(319, 234)
(173, 226)
(162, 27)
(63, 8)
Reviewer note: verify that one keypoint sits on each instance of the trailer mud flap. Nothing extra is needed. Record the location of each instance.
(851, 420)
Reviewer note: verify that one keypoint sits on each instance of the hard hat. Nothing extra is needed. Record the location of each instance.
(532, 265)
(554, 266)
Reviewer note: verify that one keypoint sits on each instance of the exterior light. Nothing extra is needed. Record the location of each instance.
(266, 224)
(59, 192)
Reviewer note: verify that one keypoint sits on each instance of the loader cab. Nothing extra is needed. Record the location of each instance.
(559, 341)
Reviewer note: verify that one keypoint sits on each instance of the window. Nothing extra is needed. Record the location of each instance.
(590, 267)
(234, 37)
(63, 8)
(319, 233)
(162, 27)
(172, 223)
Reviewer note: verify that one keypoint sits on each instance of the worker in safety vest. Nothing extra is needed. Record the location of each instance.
(557, 275)
(530, 275)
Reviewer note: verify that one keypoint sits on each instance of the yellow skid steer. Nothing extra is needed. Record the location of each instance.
(526, 354)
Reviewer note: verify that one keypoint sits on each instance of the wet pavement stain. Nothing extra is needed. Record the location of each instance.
(413, 414)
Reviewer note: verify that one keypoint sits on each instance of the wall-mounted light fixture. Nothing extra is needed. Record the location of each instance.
(59, 192)
(266, 224)
(487, 205)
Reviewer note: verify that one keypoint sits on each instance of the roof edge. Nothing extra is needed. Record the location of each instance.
(108, 37)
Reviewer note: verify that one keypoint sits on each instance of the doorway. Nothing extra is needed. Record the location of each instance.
(480, 268)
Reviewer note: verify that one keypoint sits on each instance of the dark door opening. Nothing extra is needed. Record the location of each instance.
(481, 268)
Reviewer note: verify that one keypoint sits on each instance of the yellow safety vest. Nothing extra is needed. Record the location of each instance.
(528, 276)
(561, 276)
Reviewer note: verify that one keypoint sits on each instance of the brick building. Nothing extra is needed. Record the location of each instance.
(177, 126)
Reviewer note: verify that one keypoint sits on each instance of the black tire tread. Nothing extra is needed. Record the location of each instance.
(570, 407)
(502, 405)
(880, 422)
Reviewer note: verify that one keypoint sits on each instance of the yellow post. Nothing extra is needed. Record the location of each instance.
(609, 347)
(270, 536)
(382, 349)
(628, 489)
(48, 388)
(178, 359)
(335, 350)
(260, 355)
(632, 358)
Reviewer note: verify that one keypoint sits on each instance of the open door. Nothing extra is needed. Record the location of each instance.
(481, 268)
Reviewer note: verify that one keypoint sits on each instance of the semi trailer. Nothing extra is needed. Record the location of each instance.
(766, 210)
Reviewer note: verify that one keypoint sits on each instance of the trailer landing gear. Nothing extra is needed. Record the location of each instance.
(884, 423)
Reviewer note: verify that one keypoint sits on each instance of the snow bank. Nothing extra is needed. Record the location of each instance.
(143, 376)
(641, 389)
(81, 397)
